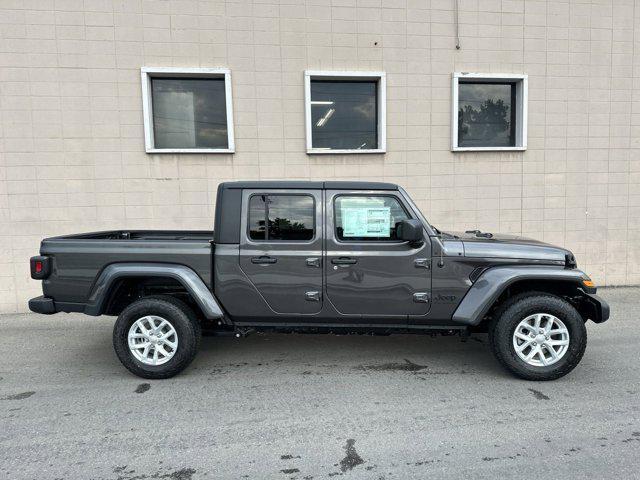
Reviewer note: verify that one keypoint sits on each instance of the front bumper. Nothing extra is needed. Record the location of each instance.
(598, 310)
(43, 305)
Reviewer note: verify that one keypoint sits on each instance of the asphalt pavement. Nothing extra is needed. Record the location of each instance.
(315, 407)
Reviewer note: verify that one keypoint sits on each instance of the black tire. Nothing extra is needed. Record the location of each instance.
(182, 318)
(516, 309)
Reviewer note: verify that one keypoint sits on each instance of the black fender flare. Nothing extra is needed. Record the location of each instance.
(494, 281)
(186, 276)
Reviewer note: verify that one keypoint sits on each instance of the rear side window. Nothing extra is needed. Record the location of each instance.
(281, 217)
(372, 218)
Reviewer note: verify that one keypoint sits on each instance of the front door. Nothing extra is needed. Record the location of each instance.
(369, 272)
(281, 248)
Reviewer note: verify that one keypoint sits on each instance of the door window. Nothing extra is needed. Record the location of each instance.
(281, 217)
(367, 217)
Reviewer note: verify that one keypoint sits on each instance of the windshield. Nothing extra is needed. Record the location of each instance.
(421, 217)
(430, 228)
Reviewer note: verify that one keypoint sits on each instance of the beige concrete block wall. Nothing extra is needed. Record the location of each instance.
(72, 148)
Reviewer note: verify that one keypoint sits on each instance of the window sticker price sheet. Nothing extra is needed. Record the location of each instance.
(366, 221)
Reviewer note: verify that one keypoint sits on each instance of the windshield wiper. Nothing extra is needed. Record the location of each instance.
(478, 233)
(442, 234)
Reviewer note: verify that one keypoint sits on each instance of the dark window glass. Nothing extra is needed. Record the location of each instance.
(257, 217)
(344, 114)
(486, 114)
(368, 218)
(289, 217)
(189, 113)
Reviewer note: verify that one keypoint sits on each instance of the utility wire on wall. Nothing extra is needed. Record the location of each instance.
(457, 20)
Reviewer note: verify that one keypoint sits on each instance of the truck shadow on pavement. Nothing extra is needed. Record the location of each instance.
(326, 353)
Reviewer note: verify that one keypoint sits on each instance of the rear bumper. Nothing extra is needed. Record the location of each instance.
(43, 305)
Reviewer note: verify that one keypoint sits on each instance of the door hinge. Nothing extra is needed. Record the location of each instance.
(312, 296)
(421, 297)
(313, 262)
(422, 263)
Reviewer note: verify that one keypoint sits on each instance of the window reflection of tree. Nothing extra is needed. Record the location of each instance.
(285, 229)
(486, 122)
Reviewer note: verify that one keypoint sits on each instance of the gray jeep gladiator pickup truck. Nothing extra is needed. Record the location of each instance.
(350, 257)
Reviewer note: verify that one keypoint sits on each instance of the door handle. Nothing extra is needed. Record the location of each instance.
(344, 261)
(263, 260)
(421, 297)
(312, 296)
(313, 262)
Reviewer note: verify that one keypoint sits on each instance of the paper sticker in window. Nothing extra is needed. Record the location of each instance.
(366, 222)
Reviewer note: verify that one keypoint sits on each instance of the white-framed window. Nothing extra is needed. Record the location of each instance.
(488, 111)
(345, 112)
(187, 110)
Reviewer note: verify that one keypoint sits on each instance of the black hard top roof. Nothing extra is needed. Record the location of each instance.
(310, 185)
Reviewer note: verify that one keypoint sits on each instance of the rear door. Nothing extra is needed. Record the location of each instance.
(370, 272)
(281, 248)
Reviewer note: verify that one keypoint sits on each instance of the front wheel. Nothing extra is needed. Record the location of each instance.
(156, 337)
(538, 336)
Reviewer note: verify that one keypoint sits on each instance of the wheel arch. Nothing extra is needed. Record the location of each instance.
(116, 276)
(498, 283)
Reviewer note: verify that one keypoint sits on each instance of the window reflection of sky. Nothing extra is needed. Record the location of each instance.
(189, 113)
(344, 114)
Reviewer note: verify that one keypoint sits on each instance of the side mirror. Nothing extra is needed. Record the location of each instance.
(410, 231)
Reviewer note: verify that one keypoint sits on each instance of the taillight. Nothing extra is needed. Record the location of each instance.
(40, 267)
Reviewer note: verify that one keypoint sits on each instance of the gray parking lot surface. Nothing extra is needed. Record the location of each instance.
(315, 406)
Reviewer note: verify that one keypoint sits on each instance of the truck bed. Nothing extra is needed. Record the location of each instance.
(206, 235)
(79, 259)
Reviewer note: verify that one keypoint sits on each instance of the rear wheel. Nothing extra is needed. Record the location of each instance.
(156, 337)
(538, 336)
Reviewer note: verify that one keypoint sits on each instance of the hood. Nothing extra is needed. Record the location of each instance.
(511, 246)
